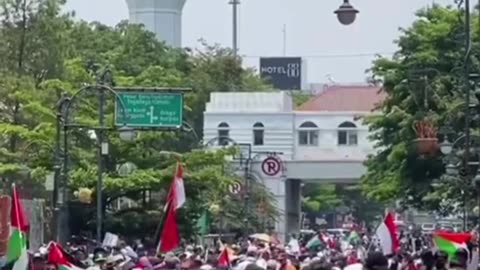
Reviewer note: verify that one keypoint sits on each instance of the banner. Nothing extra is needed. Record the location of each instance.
(34, 210)
(4, 223)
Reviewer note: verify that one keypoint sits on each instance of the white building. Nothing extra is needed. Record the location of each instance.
(162, 17)
(322, 140)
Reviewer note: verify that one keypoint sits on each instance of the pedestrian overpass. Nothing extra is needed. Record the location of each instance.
(326, 171)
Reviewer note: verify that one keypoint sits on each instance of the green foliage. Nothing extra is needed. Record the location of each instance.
(423, 81)
(300, 97)
(44, 54)
(321, 197)
(326, 197)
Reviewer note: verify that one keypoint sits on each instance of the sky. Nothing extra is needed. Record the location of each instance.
(333, 52)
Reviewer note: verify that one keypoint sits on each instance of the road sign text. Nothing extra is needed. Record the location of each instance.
(150, 109)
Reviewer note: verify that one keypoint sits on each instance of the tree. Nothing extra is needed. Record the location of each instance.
(216, 69)
(423, 80)
(44, 54)
(328, 197)
(30, 51)
(321, 197)
(299, 97)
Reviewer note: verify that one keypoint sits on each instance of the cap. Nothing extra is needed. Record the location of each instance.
(206, 267)
(100, 256)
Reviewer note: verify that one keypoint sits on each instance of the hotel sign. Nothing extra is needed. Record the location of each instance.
(284, 73)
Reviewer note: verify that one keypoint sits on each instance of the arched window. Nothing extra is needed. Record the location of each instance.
(223, 133)
(258, 133)
(347, 134)
(308, 134)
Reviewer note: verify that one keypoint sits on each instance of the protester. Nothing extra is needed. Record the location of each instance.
(362, 252)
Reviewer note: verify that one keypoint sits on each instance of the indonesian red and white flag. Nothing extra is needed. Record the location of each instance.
(387, 235)
(170, 235)
(176, 194)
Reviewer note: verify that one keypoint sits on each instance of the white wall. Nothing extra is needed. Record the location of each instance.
(328, 148)
(281, 134)
(278, 136)
(274, 110)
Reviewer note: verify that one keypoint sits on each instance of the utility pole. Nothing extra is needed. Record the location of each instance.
(235, 4)
(466, 73)
(284, 40)
(105, 80)
(103, 86)
(59, 204)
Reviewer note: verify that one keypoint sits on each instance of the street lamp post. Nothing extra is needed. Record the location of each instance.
(466, 139)
(346, 13)
(462, 168)
(235, 4)
(102, 87)
(246, 158)
(57, 200)
(102, 150)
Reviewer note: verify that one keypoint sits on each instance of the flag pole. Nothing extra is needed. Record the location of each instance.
(371, 240)
(206, 253)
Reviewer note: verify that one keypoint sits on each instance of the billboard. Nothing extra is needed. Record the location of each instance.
(284, 73)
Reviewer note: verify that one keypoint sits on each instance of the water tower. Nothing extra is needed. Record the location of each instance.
(162, 17)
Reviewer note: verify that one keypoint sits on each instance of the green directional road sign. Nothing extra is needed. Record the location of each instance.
(150, 109)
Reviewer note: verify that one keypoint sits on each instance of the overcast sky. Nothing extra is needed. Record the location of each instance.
(330, 49)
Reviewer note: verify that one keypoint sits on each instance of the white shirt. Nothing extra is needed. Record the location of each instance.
(245, 263)
(261, 262)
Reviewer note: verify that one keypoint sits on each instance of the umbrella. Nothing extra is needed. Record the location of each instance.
(261, 236)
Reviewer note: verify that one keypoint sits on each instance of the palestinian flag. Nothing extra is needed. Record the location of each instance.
(353, 238)
(314, 242)
(451, 242)
(17, 256)
(59, 257)
(225, 257)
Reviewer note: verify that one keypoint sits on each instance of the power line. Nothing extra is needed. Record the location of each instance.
(346, 55)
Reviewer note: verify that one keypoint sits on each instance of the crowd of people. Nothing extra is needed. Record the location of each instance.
(332, 253)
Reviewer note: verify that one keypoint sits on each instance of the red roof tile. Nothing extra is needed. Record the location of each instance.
(345, 98)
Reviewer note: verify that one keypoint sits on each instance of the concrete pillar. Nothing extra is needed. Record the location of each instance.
(278, 187)
(293, 200)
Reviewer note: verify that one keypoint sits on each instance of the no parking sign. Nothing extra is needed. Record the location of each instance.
(271, 166)
(235, 188)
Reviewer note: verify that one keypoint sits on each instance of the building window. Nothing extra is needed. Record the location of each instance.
(308, 134)
(258, 134)
(347, 134)
(223, 134)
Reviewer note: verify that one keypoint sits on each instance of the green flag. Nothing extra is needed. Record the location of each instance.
(353, 238)
(314, 242)
(203, 223)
